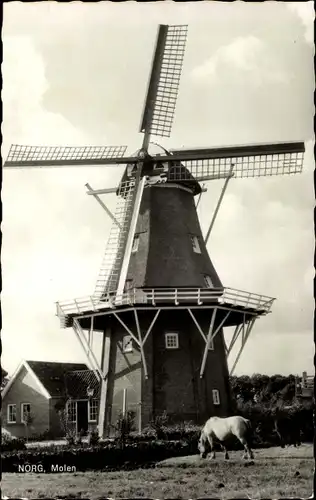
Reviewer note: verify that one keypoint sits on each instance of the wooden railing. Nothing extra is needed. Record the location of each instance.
(167, 296)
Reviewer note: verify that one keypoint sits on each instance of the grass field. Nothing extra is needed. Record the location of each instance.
(275, 473)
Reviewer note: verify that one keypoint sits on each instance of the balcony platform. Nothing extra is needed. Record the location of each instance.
(227, 299)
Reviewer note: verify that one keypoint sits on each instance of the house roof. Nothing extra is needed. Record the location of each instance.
(78, 382)
(52, 374)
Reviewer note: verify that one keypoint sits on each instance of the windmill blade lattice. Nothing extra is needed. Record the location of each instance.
(249, 161)
(61, 156)
(164, 81)
(112, 261)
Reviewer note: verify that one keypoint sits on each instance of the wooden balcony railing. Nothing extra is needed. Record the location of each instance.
(166, 296)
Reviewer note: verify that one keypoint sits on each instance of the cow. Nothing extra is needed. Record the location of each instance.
(220, 429)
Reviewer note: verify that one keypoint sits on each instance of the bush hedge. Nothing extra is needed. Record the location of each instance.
(11, 443)
(107, 457)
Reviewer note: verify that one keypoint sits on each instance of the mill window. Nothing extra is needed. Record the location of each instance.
(11, 414)
(135, 243)
(215, 394)
(25, 412)
(208, 281)
(127, 344)
(195, 244)
(93, 410)
(171, 341)
(128, 285)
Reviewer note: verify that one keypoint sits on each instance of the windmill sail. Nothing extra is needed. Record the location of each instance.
(109, 274)
(164, 82)
(249, 161)
(60, 156)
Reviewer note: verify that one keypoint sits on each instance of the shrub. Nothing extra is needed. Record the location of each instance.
(124, 426)
(68, 427)
(109, 457)
(93, 438)
(11, 443)
(158, 425)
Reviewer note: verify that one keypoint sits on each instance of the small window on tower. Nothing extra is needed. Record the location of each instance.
(128, 285)
(127, 344)
(135, 243)
(208, 281)
(171, 341)
(195, 244)
(215, 394)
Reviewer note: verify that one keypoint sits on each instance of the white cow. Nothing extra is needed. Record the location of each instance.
(219, 429)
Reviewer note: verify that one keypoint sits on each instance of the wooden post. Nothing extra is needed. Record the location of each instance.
(124, 402)
(140, 417)
(105, 359)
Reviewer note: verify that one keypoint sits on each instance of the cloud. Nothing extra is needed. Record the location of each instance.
(306, 12)
(24, 85)
(247, 55)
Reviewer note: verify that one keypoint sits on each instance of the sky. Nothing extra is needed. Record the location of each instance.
(76, 74)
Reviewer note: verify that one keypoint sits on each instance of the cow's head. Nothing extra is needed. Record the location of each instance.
(202, 446)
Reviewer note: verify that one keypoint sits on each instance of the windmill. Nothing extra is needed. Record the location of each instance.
(158, 302)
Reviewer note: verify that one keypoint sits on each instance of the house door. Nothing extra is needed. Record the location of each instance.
(82, 416)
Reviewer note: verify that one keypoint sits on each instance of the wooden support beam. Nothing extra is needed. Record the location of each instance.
(105, 363)
(230, 175)
(124, 402)
(141, 345)
(94, 192)
(151, 326)
(234, 337)
(208, 340)
(219, 327)
(198, 326)
(103, 205)
(244, 340)
(92, 361)
(127, 329)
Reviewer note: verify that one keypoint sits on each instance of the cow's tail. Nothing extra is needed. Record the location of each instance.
(249, 430)
(248, 423)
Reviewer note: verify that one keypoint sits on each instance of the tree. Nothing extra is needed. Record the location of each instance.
(242, 388)
(4, 378)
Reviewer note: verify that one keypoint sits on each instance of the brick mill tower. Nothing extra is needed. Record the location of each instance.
(159, 304)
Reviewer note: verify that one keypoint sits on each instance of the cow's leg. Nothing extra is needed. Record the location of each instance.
(226, 452)
(223, 447)
(210, 440)
(248, 452)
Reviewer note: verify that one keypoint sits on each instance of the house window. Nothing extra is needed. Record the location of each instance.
(195, 244)
(135, 243)
(208, 281)
(93, 410)
(25, 412)
(127, 344)
(215, 394)
(11, 414)
(72, 411)
(171, 341)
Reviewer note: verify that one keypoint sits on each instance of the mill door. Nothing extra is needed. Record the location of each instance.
(82, 416)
